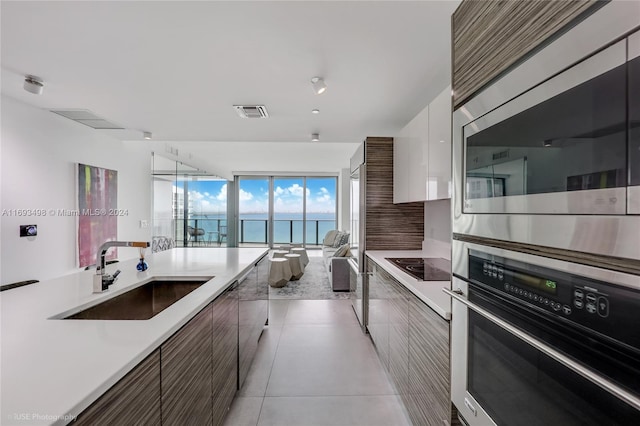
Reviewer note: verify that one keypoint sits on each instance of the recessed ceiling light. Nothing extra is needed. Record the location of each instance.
(319, 85)
(147, 135)
(33, 84)
(315, 111)
(315, 137)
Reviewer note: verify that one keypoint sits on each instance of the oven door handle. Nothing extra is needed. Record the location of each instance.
(566, 361)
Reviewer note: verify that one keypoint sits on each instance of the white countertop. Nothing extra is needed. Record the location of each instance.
(430, 292)
(52, 368)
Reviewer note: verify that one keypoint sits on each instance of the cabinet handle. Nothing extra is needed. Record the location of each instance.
(470, 406)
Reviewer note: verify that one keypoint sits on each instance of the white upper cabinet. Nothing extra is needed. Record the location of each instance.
(422, 154)
(439, 171)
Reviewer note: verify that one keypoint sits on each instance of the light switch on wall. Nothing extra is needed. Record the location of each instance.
(144, 223)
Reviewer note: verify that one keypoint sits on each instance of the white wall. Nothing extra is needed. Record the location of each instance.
(344, 203)
(437, 226)
(39, 155)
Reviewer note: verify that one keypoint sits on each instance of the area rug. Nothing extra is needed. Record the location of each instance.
(313, 285)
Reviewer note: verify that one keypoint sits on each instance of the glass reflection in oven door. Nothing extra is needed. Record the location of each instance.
(559, 148)
(634, 124)
(516, 385)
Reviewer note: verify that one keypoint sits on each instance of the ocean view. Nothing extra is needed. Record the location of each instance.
(288, 227)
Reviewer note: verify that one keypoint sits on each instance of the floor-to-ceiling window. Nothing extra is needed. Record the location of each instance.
(189, 206)
(253, 210)
(288, 210)
(278, 210)
(321, 207)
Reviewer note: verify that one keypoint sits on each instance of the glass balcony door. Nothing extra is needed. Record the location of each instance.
(253, 211)
(321, 207)
(288, 210)
(274, 210)
(189, 206)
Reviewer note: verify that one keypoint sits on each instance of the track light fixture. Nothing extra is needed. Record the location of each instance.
(315, 137)
(319, 86)
(33, 84)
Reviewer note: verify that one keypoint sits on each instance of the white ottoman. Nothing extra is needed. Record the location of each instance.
(279, 272)
(296, 265)
(304, 259)
(279, 253)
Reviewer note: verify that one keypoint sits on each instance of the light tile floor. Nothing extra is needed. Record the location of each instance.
(315, 367)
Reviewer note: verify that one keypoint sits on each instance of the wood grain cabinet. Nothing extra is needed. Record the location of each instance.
(490, 37)
(186, 360)
(135, 399)
(428, 398)
(191, 379)
(412, 342)
(378, 326)
(253, 296)
(224, 356)
(398, 334)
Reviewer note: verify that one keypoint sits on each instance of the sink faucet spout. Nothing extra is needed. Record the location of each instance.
(102, 281)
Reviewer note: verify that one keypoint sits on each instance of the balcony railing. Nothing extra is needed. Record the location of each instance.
(252, 231)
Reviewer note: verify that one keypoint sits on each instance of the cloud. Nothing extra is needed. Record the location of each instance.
(222, 195)
(323, 196)
(203, 202)
(244, 195)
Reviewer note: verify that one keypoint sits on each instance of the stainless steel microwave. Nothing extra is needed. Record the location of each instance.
(550, 153)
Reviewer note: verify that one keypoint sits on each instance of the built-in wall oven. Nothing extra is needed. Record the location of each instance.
(538, 341)
(550, 153)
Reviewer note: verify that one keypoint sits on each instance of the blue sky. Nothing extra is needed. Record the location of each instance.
(210, 196)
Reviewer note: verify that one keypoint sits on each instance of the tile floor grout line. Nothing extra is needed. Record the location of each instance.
(275, 354)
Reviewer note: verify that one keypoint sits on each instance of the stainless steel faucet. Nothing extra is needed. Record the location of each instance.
(102, 281)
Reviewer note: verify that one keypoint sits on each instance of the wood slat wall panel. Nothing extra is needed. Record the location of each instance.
(134, 399)
(388, 226)
(429, 372)
(186, 360)
(489, 37)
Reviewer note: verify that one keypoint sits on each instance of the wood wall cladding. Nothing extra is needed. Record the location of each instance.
(186, 361)
(489, 37)
(388, 226)
(135, 396)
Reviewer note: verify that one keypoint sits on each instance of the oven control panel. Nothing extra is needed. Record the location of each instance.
(604, 307)
(542, 292)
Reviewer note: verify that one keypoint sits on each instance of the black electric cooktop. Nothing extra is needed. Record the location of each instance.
(424, 269)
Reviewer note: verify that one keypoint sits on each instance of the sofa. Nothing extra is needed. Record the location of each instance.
(335, 255)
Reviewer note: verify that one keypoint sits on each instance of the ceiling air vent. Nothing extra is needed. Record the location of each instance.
(252, 111)
(87, 118)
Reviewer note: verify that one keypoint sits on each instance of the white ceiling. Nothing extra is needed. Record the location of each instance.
(176, 69)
